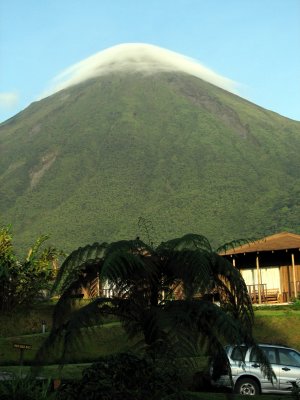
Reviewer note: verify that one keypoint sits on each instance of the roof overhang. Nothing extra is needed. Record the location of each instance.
(279, 241)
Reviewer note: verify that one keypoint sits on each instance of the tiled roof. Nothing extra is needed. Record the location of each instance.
(279, 241)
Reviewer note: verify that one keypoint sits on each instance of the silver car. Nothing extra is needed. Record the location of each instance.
(247, 377)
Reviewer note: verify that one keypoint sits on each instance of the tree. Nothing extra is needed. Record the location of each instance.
(21, 281)
(161, 292)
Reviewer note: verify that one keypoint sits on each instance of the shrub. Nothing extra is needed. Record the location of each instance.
(123, 377)
(22, 281)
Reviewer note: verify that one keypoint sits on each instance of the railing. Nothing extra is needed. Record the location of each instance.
(108, 293)
(254, 290)
(266, 295)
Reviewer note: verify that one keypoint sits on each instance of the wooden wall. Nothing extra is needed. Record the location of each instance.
(287, 279)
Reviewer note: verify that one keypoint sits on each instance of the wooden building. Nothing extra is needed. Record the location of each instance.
(270, 267)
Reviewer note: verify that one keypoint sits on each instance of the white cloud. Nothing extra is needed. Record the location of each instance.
(136, 57)
(8, 100)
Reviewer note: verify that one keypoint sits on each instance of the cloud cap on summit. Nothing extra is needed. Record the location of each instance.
(133, 57)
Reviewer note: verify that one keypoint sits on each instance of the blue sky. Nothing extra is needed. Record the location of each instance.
(255, 43)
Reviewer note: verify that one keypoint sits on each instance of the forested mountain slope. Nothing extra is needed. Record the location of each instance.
(84, 163)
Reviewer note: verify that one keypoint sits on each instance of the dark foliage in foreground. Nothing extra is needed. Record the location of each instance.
(25, 388)
(161, 293)
(123, 377)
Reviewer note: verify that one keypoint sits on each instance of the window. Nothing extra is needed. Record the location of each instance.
(289, 357)
(269, 352)
(239, 353)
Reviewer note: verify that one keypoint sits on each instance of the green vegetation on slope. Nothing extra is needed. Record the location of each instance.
(278, 327)
(84, 164)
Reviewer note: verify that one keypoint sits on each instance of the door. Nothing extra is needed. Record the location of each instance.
(254, 369)
(289, 368)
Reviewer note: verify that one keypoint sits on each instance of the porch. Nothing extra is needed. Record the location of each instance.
(270, 267)
(261, 294)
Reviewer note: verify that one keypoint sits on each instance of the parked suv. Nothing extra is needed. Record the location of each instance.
(247, 377)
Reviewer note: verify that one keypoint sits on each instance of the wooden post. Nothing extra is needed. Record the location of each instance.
(294, 276)
(258, 280)
(22, 347)
(98, 284)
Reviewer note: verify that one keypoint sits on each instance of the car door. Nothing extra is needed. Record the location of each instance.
(255, 368)
(238, 360)
(289, 368)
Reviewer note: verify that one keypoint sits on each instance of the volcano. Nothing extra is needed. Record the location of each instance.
(139, 131)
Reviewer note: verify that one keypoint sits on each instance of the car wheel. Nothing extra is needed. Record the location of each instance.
(247, 386)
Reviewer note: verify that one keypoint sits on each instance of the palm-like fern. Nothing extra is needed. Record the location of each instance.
(147, 282)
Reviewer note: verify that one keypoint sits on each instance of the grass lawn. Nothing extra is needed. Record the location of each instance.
(278, 326)
(99, 341)
(27, 320)
(69, 371)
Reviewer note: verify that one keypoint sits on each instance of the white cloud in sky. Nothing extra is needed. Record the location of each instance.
(8, 100)
(136, 57)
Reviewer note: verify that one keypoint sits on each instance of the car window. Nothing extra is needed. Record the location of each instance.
(289, 357)
(269, 352)
(239, 353)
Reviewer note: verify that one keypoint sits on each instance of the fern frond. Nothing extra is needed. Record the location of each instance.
(76, 262)
(70, 331)
(189, 241)
(229, 282)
